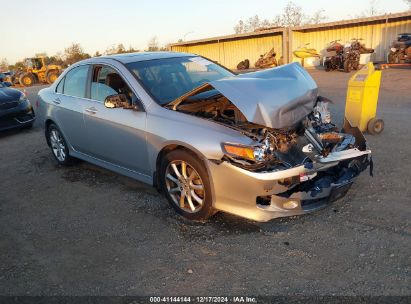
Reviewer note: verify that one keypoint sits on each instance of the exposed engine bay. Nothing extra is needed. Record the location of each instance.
(277, 148)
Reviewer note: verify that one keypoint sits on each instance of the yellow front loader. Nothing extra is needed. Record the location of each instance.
(38, 72)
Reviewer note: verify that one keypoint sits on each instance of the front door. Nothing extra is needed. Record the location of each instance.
(117, 136)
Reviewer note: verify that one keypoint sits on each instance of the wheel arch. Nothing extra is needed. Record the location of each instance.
(176, 146)
(171, 147)
(47, 124)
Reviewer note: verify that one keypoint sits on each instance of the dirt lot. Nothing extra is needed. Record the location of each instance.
(86, 231)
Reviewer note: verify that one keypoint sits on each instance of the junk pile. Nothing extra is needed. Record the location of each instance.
(400, 51)
(267, 60)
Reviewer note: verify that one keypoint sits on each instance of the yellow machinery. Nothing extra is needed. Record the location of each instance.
(362, 98)
(305, 52)
(38, 71)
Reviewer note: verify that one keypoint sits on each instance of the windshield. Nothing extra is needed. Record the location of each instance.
(168, 79)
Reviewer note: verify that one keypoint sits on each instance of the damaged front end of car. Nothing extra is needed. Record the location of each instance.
(299, 160)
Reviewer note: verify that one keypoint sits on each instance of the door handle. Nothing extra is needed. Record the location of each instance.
(91, 110)
(57, 100)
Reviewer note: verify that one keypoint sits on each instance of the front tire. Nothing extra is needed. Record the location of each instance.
(52, 77)
(58, 146)
(184, 181)
(27, 80)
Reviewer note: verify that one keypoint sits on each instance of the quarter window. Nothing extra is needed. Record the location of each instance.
(60, 86)
(76, 81)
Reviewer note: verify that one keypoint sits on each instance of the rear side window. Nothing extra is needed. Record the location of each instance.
(76, 81)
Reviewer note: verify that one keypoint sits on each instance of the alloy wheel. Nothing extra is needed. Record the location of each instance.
(185, 186)
(57, 145)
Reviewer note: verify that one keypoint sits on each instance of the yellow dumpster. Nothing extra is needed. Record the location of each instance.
(362, 98)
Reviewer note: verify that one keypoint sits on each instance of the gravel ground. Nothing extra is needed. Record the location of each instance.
(86, 231)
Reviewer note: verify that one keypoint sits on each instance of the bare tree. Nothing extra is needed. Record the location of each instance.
(292, 15)
(4, 65)
(372, 10)
(318, 17)
(239, 28)
(131, 49)
(251, 24)
(153, 44)
(111, 50)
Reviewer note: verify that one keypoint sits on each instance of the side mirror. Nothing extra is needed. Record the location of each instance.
(118, 101)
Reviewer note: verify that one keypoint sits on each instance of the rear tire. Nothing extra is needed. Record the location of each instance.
(184, 181)
(58, 146)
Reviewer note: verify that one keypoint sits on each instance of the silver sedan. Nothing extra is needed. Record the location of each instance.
(259, 145)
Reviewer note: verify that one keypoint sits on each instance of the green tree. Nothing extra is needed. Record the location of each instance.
(120, 49)
(74, 53)
(17, 66)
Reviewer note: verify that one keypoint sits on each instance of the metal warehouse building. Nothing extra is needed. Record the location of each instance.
(378, 33)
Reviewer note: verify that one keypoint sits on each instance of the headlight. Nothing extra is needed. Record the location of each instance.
(23, 98)
(244, 152)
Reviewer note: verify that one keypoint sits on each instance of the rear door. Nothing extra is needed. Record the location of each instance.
(68, 106)
(115, 135)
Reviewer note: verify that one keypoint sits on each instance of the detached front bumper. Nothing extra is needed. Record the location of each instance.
(294, 191)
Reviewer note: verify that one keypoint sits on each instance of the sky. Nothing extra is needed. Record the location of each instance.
(36, 26)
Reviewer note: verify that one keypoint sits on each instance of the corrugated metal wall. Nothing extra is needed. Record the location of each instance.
(230, 53)
(377, 36)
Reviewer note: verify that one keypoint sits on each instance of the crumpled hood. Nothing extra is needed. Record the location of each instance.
(276, 98)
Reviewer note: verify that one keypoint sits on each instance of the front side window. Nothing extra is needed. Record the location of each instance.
(167, 79)
(76, 81)
(105, 82)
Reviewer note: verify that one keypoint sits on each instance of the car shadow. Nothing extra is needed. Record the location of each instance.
(8, 133)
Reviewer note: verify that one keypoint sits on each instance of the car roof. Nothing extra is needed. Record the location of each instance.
(144, 56)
